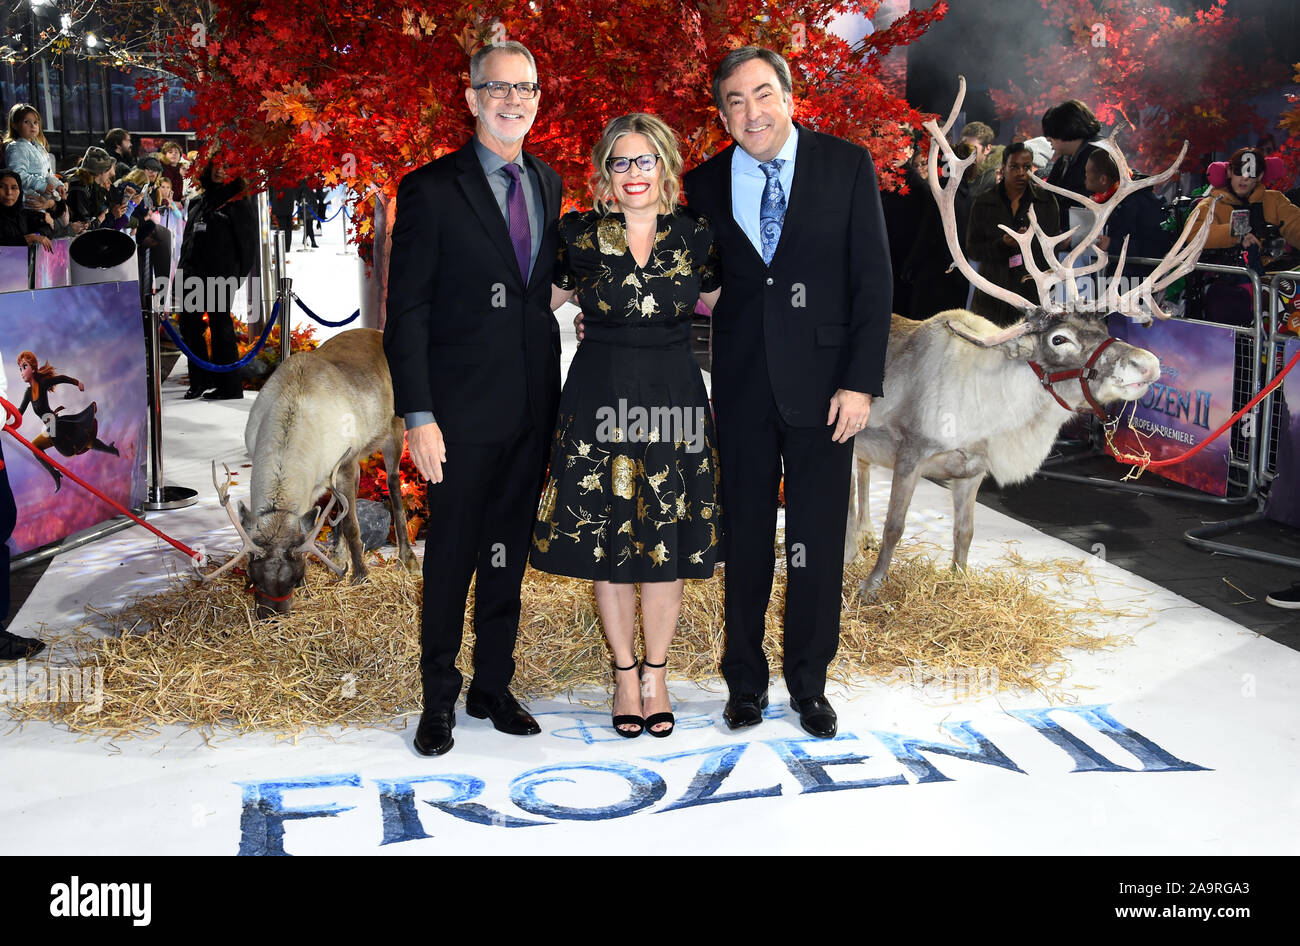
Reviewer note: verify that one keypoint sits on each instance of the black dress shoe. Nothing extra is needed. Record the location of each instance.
(433, 736)
(504, 711)
(745, 709)
(816, 716)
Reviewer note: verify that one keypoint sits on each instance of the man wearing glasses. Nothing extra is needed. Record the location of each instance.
(799, 339)
(474, 353)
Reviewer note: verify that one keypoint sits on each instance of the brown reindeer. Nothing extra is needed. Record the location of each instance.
(966, 399)
(318, 416)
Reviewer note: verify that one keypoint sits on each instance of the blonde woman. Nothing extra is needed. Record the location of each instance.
(631, 498)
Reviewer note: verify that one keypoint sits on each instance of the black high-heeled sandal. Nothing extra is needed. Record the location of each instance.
(628, 719)
(652, 721)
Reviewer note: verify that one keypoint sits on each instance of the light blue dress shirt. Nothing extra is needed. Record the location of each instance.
(748, 181)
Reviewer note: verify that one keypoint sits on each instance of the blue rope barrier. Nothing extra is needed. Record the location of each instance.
(209, 366)
(330, 217)
(325, 322)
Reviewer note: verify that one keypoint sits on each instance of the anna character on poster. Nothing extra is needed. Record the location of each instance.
(71, 434)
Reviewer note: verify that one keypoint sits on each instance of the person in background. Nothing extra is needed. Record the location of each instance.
(999, 256)
(27, 153)
(220, 241)
(283, 204)
(171, 156)
(88, 191)
(1070, 128)
(12, 647)
(903, 214)
(1138, 218)
(118, 145)
(938, 288)
(1245, 190)
(306, 201)
(1041, 149)
(18, 225)
(979, 137)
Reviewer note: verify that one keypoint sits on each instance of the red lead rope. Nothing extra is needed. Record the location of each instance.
(12, 421)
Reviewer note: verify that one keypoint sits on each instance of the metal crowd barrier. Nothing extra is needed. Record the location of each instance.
(1207, 537)
(1243, 462)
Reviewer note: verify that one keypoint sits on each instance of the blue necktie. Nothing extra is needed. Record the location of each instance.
(772, 212)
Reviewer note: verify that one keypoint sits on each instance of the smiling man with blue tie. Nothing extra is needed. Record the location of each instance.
(474, 352)
(799, 340)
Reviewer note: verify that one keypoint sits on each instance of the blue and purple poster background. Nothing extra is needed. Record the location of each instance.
(13, 268)
(93, 334)
(1283, 502)
(1188, 402)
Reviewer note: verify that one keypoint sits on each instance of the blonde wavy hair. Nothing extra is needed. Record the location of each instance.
(663, 141)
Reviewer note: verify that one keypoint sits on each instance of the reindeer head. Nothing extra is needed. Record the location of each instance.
(1077, 348)
(277, 556)
(277, 565)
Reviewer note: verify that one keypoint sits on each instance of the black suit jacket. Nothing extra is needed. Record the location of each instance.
(465, 338)
(819, 314)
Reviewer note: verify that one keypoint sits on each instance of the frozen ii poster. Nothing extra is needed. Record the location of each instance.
(1188, 402)
(1284, 493)
(75, 356)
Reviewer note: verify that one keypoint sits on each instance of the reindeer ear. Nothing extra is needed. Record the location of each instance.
(308, 520)
(991, 341)
(245, 517)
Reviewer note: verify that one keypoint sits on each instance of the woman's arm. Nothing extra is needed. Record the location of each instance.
(710, 299)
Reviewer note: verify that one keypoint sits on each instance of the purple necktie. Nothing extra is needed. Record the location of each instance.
(521, 234)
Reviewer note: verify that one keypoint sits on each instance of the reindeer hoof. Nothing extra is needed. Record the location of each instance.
(359, 576)
(869, 588)
(412, 564)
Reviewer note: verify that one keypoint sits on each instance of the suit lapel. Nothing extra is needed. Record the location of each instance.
(725, 186)
(474, 185)
(550, 211)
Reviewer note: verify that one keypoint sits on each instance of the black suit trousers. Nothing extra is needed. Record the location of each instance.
(480, 521)
(754, 444)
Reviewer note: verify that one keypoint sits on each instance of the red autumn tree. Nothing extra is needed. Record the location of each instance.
(363, 92)
(1157, 76)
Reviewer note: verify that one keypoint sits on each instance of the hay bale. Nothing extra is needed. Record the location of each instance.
(349, 655)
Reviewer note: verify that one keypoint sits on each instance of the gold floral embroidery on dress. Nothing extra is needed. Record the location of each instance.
(611, 237)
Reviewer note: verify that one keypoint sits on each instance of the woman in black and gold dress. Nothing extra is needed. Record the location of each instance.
(631, 497)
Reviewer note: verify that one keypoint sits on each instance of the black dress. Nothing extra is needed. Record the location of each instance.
(632, 492)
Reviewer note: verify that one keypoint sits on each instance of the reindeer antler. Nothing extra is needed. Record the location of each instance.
(947, 199)
(309, 545)
(223, 494)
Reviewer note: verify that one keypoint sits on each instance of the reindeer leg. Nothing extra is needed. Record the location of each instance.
(964, 491)
(349, 527)
(392, 467)
(859, 509)
(906, 475)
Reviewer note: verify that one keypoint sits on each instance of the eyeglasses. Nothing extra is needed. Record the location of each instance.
(501, 90)
(645, 162)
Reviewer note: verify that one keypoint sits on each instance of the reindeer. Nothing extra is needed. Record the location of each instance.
(317, 417)
(967, 399)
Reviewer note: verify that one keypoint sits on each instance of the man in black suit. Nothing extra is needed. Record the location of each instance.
(474, 352)
(799, 340)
